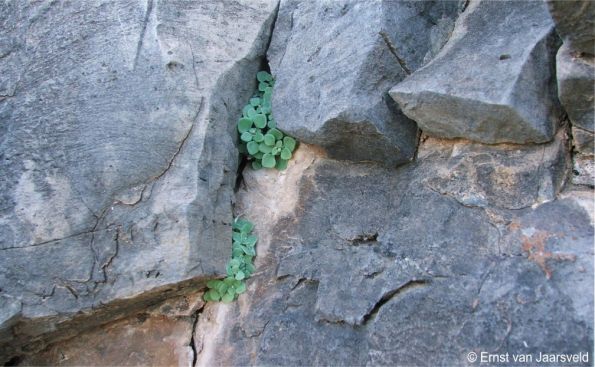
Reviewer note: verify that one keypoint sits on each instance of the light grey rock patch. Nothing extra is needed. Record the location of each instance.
(493, 82)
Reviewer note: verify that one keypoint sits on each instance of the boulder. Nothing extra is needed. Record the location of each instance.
(575, 23)
(334, 63)
(493, 82)
(117, 154)
(576, 77)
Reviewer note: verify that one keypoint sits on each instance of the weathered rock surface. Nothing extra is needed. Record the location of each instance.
(334, 63)
(583, 141)
(503, 176)
(161, 336)
(576, 77)
(575, 23)
(117, 152)
(493, 82)
(376, 266)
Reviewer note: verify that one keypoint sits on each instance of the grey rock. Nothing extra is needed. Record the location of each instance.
(376, 266)
(583, 140)
(117, 152)
(483, 86)
(576, 77)
(575, 23)
(583, 170)
(334, 62)
(503, 176)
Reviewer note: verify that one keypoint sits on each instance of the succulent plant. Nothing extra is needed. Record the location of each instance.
(239, 268)
(264, 144)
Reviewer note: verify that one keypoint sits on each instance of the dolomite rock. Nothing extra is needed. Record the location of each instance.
(117, 153)
(493, 81)
(575, 23)
(160, 336)
(576, 77)
(378, 267)
(334, 62)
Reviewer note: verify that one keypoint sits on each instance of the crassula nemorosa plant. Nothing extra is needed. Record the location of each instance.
(264, 144)
(239, 268)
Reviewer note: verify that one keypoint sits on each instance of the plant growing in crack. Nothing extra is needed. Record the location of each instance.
(239, 268)
(264, 144)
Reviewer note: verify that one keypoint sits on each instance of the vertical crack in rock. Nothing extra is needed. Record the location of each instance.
(393, 50)
(141, 38)
(192, 342)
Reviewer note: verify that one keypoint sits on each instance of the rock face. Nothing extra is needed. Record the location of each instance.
(334, 63)
(575, 23)
(160, 336)
(117, 153)
(576, 76)
(377, 266)
(493, 82)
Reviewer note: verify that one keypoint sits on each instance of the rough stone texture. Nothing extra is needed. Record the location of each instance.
(372, 266)
(584, 170)
(503, 176)
(575, 23)
(493, 82)
(159, 337)
(117, 152)
(576, 77)
(334, 62)
(583, 141)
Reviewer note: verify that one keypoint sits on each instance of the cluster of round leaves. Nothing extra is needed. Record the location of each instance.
(264, 144)
(240, 266)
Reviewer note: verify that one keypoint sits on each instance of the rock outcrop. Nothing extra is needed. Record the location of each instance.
(575, 23)
(334, 63)
(493, 82)
(382, 269)
(117, 153)
(575, 70)
(377, 245)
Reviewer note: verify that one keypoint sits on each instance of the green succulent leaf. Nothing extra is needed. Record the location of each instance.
(259, 154)
(252, 147)
(258, 137)
(214, 295)
(248, 111)
(264, 149)
(241, 288)
(286, 154)
(255, 101)
(244, 124)
(263, 76)
(246, 227)
(256, 165)
(268, 161)
(240, 275)
(260, 121)
(271, 124)
(276, 133)
(246, 136)
(227, 298)
(269, 139)
(250, 241)
(281, 164)
(289, 143)
(279, 143)
(212, 283)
